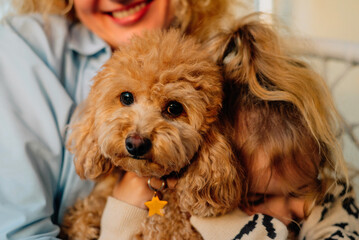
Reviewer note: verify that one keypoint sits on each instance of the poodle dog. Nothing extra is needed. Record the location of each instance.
(153, 110)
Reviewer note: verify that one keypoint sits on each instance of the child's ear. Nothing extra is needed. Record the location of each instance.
(212, 184)
(82, 142)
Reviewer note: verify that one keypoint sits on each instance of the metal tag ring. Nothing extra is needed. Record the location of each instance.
(154, 189)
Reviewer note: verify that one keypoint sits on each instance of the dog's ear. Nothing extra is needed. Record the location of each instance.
(82, 142)
(212, 184)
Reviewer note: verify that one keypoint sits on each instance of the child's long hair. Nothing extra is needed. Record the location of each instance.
(276, 131)
(255, 62)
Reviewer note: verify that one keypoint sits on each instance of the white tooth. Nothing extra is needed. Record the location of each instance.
(118, 14)
(121, 14)
(131, 11)
(127, 13)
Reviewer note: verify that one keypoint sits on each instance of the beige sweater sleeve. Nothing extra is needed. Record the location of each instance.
(120, 221)
(238, 225)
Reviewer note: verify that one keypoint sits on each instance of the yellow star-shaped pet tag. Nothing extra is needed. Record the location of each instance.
(155, 206)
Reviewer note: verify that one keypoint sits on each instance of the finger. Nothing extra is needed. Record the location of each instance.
(172, 182)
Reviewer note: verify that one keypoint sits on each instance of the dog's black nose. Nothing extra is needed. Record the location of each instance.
(137, 145)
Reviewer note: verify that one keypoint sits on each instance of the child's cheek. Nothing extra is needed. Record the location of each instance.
(276, 207)
(297, 207)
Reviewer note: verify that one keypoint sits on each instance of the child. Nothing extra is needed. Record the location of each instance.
(282, 122)
(283, 161)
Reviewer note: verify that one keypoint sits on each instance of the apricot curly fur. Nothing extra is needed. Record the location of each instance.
(157, 68)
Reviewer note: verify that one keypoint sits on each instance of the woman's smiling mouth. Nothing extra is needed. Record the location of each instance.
(132, 13)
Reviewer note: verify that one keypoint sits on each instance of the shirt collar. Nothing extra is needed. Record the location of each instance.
(84, 42)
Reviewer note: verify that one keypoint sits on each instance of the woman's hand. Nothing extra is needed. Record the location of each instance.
(134, 190)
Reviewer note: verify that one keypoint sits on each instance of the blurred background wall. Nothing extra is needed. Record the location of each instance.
(329, 19)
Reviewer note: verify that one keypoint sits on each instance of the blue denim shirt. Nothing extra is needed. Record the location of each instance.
(46, 67)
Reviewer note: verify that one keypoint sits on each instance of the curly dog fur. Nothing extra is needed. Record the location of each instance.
(158, 70)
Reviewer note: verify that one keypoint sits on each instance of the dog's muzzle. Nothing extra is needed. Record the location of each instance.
(137, 145)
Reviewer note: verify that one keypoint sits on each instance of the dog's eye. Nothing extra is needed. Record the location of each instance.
(126, 98)
(174, 109)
